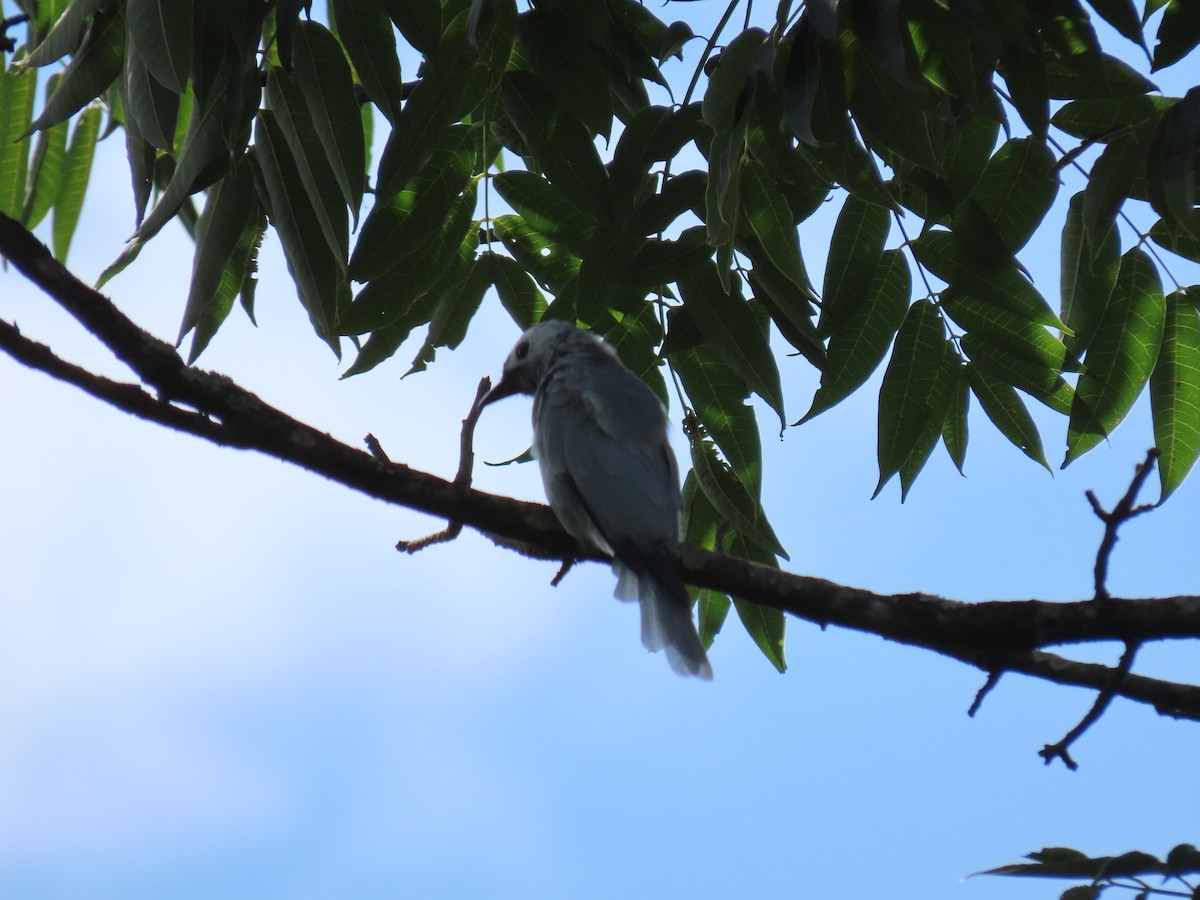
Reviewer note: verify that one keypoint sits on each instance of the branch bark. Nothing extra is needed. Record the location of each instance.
(994, 636)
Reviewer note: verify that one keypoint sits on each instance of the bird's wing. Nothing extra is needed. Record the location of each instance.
(602, 448)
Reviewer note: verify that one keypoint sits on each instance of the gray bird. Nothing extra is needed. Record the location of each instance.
(600, 438)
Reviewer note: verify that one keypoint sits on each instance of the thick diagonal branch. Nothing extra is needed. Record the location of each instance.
(995, 636)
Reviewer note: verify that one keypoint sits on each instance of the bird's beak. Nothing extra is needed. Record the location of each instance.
(505, 387)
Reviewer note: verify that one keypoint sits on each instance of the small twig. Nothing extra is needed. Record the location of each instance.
(567, 565)
(992, 680)
(376, 448)
(1120, 514)
(462, 480)
(1060, 750)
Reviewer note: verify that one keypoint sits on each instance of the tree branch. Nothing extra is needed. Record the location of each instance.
(994, 636)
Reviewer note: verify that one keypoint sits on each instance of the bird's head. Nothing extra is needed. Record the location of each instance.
(528, 360)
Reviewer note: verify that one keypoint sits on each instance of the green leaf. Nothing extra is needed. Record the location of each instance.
(766, 627)
(1088, 273)
(951, 259)
(45, 169)
(855, 250)
(18, 89)
(955, 430)
(1182, 238)
(319, 275)
(1024, 71)
(1178, 33)
(420, 21)
(654, 134)
(160, 32)
(1121, 15)
(1044, 383)
(567, 62)
(67, 33)
(1109, 117)
(518, 294)
(286, 100)
(1121, 357)
(396, 230)
(893, 116)
(559, 142)
(542, 205)
(1016, 190)
(771, 221)
(230, 211)
(366, 31)
(908, 386)
(719, 399)
(457, 304)
(237, 279)
(92, 69)
(729, 325)
(77, 170)
(1175, 394)
(636, 337)
(941, 392)
(700, 521)
(731, 498)
(729, 78)
(1005, 329)
(320, 68)
(1007, 411)
(857, 349)
(1172, 170)
(151, 110)
(661, 262)
(543, 258)
(1110, 183)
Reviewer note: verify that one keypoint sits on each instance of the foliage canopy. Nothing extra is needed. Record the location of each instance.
(542, 149)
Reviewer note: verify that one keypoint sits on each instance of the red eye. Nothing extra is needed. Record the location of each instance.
(522, 350)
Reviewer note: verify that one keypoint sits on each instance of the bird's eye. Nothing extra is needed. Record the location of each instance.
(522, 350)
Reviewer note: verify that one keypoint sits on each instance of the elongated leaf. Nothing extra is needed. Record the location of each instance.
(857, 349)
(547, 261)
(728, 324)
(700, 521)
(151, 110)
(366, 30)
(566, 60)
(518, 294)
(1016, 190)
(420, 21)
(160, 31)
(1123, 16)
(45, 170)
(731, 498)
(67, 33)
(1007, 411)
(1109, 117)
(457, 305)
(1121, 357)
(937, 404)
(729, 78)
(955, 262)
(1042, 382)
(955, 429)
(771, 220)
(325, 80)
(230, 210)
(636, 338)
(1005, 329)
(908, 382)
(287, 101)
(92, 69)
(1178, 33)
(855, 250)
(77, 170)
(892, 115)
(1110, 182)
(238, 279)
(661, 262)
(1088, 274)
(719, 398)
(18, 88)
(559, 142)
(655, 133)
(1175, 394)
(320, 278)
(542, 205)
(1182, 238)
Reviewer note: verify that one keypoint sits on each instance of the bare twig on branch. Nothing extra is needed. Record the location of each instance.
(462, 480)
(993, 679)
(1060, 750)
(994, 636)
(1120, 514)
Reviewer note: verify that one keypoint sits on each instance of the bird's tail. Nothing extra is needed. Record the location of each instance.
(666, 614)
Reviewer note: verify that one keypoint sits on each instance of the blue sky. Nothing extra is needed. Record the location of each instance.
(218, 679)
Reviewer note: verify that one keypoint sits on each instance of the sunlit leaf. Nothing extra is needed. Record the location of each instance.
(1175, 394)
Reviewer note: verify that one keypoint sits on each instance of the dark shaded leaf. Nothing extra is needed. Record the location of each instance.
(366, 31)
(1110, 182)
(955, 429)
(518, 294)
(92, 69)
(420, 21)
(1088, 273)
(566, 60)
(1178, 33)
(727, 82)
(941, 393)
(67, 32)
(1109, 117)
(150, 109)
(857, 349)
(855, 250)
(1016, 190)
(1182, 238)
(771, 221)
(1175, 395)
(1172, 169)
(160, 32)
(1042, 382)
(1121, 356)
(1000, 401)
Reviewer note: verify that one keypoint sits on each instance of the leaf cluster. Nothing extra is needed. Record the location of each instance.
(1140, 873)
(548, 154)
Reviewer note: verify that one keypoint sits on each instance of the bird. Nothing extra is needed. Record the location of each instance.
(600, 439)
